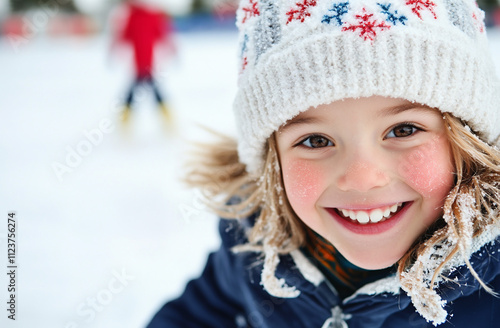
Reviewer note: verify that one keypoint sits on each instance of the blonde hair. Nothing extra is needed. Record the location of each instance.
(471, 205)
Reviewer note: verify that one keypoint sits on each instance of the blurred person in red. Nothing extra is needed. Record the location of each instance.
(145, 28)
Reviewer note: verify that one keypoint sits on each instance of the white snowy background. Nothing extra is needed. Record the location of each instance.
(106, 244)
(122, 211)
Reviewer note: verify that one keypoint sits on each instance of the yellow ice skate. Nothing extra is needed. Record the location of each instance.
(167, 115)
(125, 114)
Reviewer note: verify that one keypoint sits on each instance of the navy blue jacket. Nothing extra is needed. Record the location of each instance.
(229, 294)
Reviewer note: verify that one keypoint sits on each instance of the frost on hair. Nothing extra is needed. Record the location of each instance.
(470, 209)
(231, 193)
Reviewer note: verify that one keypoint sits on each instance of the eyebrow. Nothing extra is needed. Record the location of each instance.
(402, 108)
(299, 120)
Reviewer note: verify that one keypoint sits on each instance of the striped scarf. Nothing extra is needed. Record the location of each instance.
(345, 276)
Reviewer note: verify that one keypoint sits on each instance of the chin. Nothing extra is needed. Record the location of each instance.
(374, 266)
(371, 262)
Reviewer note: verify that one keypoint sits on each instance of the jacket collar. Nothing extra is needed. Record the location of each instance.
(457, 280)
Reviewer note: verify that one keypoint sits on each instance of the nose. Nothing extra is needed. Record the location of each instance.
(361, 175)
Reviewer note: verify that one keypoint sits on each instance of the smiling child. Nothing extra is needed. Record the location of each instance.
(364, 188)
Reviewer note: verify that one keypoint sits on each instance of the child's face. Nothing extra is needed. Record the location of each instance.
(370, 175)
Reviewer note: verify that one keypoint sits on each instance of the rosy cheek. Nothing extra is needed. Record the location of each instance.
(302, 182)
(428, 168)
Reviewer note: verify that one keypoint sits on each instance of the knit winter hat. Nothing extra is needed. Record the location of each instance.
(297, 54)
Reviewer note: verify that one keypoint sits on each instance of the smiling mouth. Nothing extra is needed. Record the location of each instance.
(370, 216)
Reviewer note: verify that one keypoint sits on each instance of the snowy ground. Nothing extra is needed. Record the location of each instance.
(106, 242)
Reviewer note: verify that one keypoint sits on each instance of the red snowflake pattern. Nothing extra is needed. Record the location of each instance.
(419, 5)
(250, 11)
(301, 12)
(244, 64)
(478, 17)
(367, 26)
(478, 23)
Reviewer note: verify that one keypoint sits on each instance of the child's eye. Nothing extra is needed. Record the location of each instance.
(316, 142)
(402, 130)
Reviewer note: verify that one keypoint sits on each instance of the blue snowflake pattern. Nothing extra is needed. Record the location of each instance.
(392, 17)
(244, 46)
(339, 10)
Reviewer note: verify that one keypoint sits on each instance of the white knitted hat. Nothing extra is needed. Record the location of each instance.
(297, 54)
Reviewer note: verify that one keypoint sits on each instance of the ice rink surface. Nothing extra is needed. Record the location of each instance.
(106, 231)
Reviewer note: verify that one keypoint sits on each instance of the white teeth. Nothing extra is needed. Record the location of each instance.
(377, 215)
(362, 217)
(394, 208)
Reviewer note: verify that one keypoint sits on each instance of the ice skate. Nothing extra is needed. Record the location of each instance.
(125, 114)
(166, 114)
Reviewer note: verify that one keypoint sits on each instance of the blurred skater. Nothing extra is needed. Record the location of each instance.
(145, 28)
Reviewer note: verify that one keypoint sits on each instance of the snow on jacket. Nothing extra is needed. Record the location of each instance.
(229, 294)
